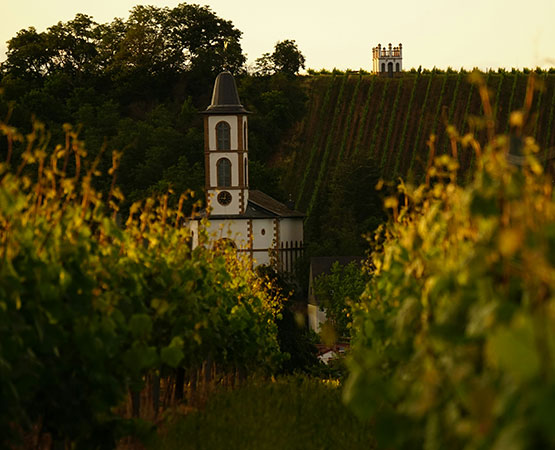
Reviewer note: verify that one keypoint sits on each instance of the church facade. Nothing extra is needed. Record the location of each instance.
(260, 227)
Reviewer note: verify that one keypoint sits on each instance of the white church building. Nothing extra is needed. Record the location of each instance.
(387, 60)
(267, 231)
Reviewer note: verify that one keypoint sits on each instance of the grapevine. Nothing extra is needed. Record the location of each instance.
(314, 147)
(420, 121)
(405, 126)
(392, 119)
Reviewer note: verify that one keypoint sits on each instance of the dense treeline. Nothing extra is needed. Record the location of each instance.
(136, 85)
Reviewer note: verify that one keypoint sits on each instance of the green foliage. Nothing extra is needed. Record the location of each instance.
(420, 121)
(405, 126)
(349, 119)
(454, 337)
(338, 292)
(365, 110)
(550, 120)
(88, 309)
(134, 84)
(327, 149)
(314, 146)
(377, 123)
(291, 412)
(392, 119)
(152, 41)
(349, 208)
(286, 59)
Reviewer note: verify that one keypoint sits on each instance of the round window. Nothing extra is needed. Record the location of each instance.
(224, 198)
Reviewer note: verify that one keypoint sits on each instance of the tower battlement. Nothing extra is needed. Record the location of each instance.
(387, 60)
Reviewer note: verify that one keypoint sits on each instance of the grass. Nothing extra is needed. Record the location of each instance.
(290, 413)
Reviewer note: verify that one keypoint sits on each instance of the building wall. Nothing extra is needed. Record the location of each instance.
(291, 230)
(236, 230)
(262, 233)
(316, 317)
(232, 208)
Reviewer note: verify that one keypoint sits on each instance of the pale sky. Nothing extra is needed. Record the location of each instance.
(341, 34)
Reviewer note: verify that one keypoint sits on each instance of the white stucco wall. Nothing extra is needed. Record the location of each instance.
(217, 209)
(291, 230)
(262, 240)
(316, 317)
(235, 230)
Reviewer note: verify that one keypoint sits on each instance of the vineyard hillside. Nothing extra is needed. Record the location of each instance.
(391, 120)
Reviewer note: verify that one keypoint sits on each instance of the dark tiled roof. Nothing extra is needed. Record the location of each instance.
(261, 200)
(323, 264)
(225, 98)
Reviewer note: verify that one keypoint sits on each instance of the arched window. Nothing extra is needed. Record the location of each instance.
(383, 67)
(246, 175)
(396, 67)
(223, 167)
(245, 136)
(390, 67)
(223, 136)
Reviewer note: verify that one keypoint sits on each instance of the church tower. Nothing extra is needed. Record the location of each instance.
(226, 150)
(261, 228)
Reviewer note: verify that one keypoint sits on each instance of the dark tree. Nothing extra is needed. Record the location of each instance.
(286, 59)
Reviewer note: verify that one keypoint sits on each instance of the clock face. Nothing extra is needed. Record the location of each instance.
(224, 198)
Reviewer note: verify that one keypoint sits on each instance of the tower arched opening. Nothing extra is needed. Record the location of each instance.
(223, 136)
(223, 172)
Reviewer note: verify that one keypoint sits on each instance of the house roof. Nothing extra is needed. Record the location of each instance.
(225, 98)
(259, 199)
(262, 206)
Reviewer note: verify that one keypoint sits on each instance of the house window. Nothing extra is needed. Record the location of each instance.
(223, 167)
(396, 67)
(383, 67)
(223, 136)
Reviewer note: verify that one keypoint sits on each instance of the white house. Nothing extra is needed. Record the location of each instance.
(269, 232)
(387, 61)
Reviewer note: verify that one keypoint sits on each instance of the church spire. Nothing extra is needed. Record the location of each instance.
(225, 98)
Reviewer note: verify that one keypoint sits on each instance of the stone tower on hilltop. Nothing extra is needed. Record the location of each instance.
(387, 61)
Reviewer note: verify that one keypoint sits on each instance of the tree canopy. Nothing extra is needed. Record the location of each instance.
(152, 40)
(286, 59)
